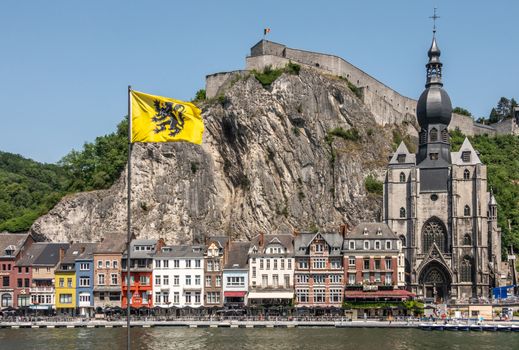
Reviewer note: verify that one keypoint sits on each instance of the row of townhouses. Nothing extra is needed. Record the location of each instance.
(299, 269)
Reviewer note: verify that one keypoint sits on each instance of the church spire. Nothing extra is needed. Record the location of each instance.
(434, 66)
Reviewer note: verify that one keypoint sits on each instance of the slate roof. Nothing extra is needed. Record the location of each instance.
(112, 244)
(13, 240)
(466, 146)
(42, 254)
(402, 150)
(286, 240)
(79, 251)
(302, 242)
(181, 251)
(371, 230)
(221, 241)
(142, 254)
(237, 256)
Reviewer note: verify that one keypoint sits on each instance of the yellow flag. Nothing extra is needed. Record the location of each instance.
(162, 119)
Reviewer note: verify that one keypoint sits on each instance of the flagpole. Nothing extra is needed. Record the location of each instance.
(129, 219)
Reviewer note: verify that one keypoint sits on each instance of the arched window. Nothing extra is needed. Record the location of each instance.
(445, 136)
(467, 240)
(402, 177)
(7, 300)
(402, 239)
(466, 269)
(466, 211)
(402, 212)
(466, 174)
(433, 134)
(434, 231)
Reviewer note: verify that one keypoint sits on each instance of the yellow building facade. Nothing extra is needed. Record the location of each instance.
(65, 285)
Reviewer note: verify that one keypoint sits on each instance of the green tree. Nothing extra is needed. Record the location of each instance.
(462, 111)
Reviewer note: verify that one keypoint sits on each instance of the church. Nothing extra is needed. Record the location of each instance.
(438, 203)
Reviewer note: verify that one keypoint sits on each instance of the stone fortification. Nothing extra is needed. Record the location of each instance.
(387, 105)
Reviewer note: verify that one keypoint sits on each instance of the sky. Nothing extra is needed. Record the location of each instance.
(65, 65)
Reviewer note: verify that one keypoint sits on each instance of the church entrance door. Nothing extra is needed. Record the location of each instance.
(436, 283)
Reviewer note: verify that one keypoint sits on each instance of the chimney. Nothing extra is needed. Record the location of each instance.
(61, 253)
(261, 239)
(82, 249)
(295, 233)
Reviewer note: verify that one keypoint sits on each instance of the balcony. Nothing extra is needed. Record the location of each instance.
(41, 290)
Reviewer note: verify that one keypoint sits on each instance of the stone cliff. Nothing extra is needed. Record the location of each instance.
(269, 162)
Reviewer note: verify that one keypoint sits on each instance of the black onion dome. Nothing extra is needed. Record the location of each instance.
(434, 107)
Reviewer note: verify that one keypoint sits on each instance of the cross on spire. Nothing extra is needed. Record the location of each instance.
(434, 18)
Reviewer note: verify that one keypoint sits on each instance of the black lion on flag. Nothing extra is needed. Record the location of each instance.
(168, 114)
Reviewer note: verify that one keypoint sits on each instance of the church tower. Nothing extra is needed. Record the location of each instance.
(437, 202)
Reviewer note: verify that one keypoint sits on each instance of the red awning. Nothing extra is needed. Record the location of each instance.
(234, 294)
(396, 293)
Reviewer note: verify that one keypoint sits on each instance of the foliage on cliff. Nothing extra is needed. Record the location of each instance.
(501, 156)
(29, 189)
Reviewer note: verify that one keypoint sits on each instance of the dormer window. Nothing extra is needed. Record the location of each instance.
(465, 156)
(433, 156)
(400, 158)
(352, 245)
(445, 136)
(366, 245)
(9, 251)
(379, 231)
(433, 135)
(365, 232)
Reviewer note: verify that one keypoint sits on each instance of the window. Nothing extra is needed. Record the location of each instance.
(218, 282)
(176, 264)
(268, 264)
(275, 264)
(377, 245)
(319, 263)
(402, 177)
(388, 244)
(254, 272)
(165, 280)
(217, 266)
(209, 265)
(99, 264)
(377, 277)
(115, 264)
(197, 280)
(400, 158)
(319, 248)
(465, 156)
(466, 211)
(63, 299)
(434, 232)
(107, 264)
(235, 281)
(335, 295)
(188, 297)
(101, 279)
(466, 269)
(264, 281)
(388, 278)
(335, 279)
(157, 263)
(208, 281)
(157, 297)
(176, 280)
(366, 245)
(366, 264)
(157, 280)
(275, 281)
(165, 298)
(289, 266)
(287, 281)
(351, 278)
(115, 279)
(388, 264)
(84, 298)
(302, 279)
(467, 240)
(433, 134)
(445, 136)
(302, 295)
(62, 282)
(318, 279)
(197, 297)
(351, 245)
(282, 263)
(303, 263)
(176, 297)
(377, 264)
(433, 156)
(20, 282)
(402, 239)
(351, 261)
(144, 280)
(319, 295)
(197, 263)
(165, 263)
(261, 263)
(402, 212)
(466, 174)
(336, 263)
(69, 282)
(84, 266)
(188, 280)
(84, 281)
(188, 263)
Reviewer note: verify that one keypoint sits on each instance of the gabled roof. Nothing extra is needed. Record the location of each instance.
(371, 230)
(79, 251)
(12, 241)
(408, 158)
(111, 244)
(219, 240)
(465, 147)
(181, 251)
(303, 240)
(286, 240)
(42, 254)
(237, 256)
(142, 254)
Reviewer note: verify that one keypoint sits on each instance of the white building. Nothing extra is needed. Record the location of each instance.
(178, 273)
(271, 269)
(235, 275)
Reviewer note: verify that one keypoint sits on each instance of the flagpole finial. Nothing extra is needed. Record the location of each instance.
(434, 18)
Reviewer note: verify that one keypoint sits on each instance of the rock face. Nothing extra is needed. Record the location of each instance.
(268, 163)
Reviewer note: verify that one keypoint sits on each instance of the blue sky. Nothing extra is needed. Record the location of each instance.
(65, 65)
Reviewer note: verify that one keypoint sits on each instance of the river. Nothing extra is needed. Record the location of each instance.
(257, 339)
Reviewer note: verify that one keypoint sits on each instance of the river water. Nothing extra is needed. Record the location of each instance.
(257, 339)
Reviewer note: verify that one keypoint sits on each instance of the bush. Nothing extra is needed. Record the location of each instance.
(200, 96)
(462, 111)
(373, 185)
(350, 134)
(269, 75)
(292, 68)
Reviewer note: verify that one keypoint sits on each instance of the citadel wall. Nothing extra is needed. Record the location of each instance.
(386, 104)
